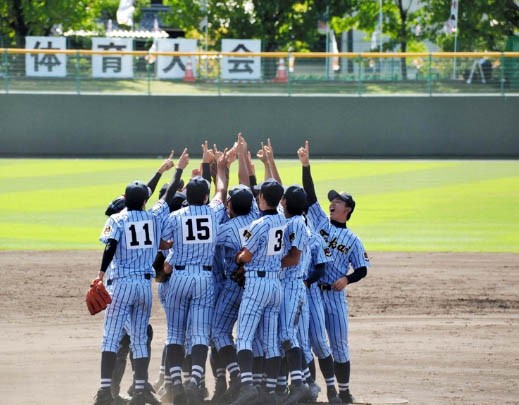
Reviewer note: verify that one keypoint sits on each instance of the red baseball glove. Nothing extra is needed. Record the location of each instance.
(97, 298)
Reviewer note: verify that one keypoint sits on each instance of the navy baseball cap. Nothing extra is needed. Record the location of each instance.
(272, 191)
(136, 193)
(241, 197)
(347, 198)
(116, 206)
(178, 201)
(295, 197)
(197, 189)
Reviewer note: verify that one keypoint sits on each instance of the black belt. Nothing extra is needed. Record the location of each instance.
(147, 276)
(183, 267)
(261, 273)
(324, 287)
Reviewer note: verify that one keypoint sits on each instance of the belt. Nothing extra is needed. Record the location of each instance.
(183, 267)
(324, 287)
(262, 274)
(147, 276)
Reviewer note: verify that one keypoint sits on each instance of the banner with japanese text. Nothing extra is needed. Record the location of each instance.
(174, 67)
(112, 65)
(241, 67)
(46, 64)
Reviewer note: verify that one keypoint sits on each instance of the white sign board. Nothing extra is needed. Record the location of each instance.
(110, 65)
(241, 67)
(174, 67)
(46, 64)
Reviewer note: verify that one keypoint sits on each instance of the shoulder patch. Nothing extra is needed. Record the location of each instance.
(247, 234)
(107, 230)
(366, 256)
(292, 236)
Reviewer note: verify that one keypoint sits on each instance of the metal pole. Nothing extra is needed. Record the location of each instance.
(206, 37)
(327, 61)
(380, 16)
(455, 12)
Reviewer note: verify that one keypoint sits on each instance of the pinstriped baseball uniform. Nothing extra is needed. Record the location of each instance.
(231, 238)
(262, 295)
(193, 230)
(315, 328)
(297, 236)
(138, 234)
(346, 250)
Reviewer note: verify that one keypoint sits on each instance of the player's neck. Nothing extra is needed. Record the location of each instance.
(338, 224)
(269, 211)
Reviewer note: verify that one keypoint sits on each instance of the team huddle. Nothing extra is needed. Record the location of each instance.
(257, 273)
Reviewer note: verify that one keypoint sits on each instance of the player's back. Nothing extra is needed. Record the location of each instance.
(265, 241)
(193, 230)
(232, 236)
(297, 235)
(138, 235)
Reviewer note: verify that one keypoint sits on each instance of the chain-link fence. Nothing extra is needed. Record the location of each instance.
(219, 73)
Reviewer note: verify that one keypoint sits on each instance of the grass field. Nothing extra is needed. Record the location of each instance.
(402, 205)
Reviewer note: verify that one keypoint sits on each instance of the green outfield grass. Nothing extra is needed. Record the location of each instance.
(402, 205)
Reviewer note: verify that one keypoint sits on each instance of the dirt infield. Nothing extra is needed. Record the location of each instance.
(432, 328)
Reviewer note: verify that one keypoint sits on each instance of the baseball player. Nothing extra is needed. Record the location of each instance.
(347, 251)
(312, 326)
(193, 231)
(132, 239)
(294, 291)
(259, 310)
(242, 210)
(116, 206)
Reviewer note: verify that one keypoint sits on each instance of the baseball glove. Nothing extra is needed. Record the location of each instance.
(97, 298)
(238, 276)
(158, 265)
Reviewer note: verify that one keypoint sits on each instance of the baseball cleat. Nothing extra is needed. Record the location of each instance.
(103, 397)
(297, 393)
(247, 393)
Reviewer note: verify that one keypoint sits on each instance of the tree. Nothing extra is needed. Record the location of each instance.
(399, 23)
(281, 26)
(482, 24)
(21, 18)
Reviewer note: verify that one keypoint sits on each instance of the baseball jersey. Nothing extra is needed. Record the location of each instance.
(138, 235)
(265, 240)
(345, 248)
(193, 230)
(231, 237)
(297, 235)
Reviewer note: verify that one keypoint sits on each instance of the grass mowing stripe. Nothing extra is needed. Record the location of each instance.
(403, 205)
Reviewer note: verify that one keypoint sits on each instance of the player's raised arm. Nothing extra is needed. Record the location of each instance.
(177, 178)
(261, 155)
(242, 153)
(165, 166)
(269, 153)
(208, 159)
(222, 177)
(303, 153)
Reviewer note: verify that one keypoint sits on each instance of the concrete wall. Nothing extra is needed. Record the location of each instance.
(71, 125)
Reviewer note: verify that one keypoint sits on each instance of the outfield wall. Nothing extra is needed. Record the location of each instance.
(385, 126)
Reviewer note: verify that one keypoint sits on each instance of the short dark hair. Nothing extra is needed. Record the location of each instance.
(241, 198)
(271, 191)
(197, 190)
(295, 198)
(136, 194)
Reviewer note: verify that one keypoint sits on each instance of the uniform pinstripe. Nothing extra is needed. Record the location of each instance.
(294, 295)
(346, 250)
(138, 234)
(262, 295)
(231, 237)
(193, 230)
